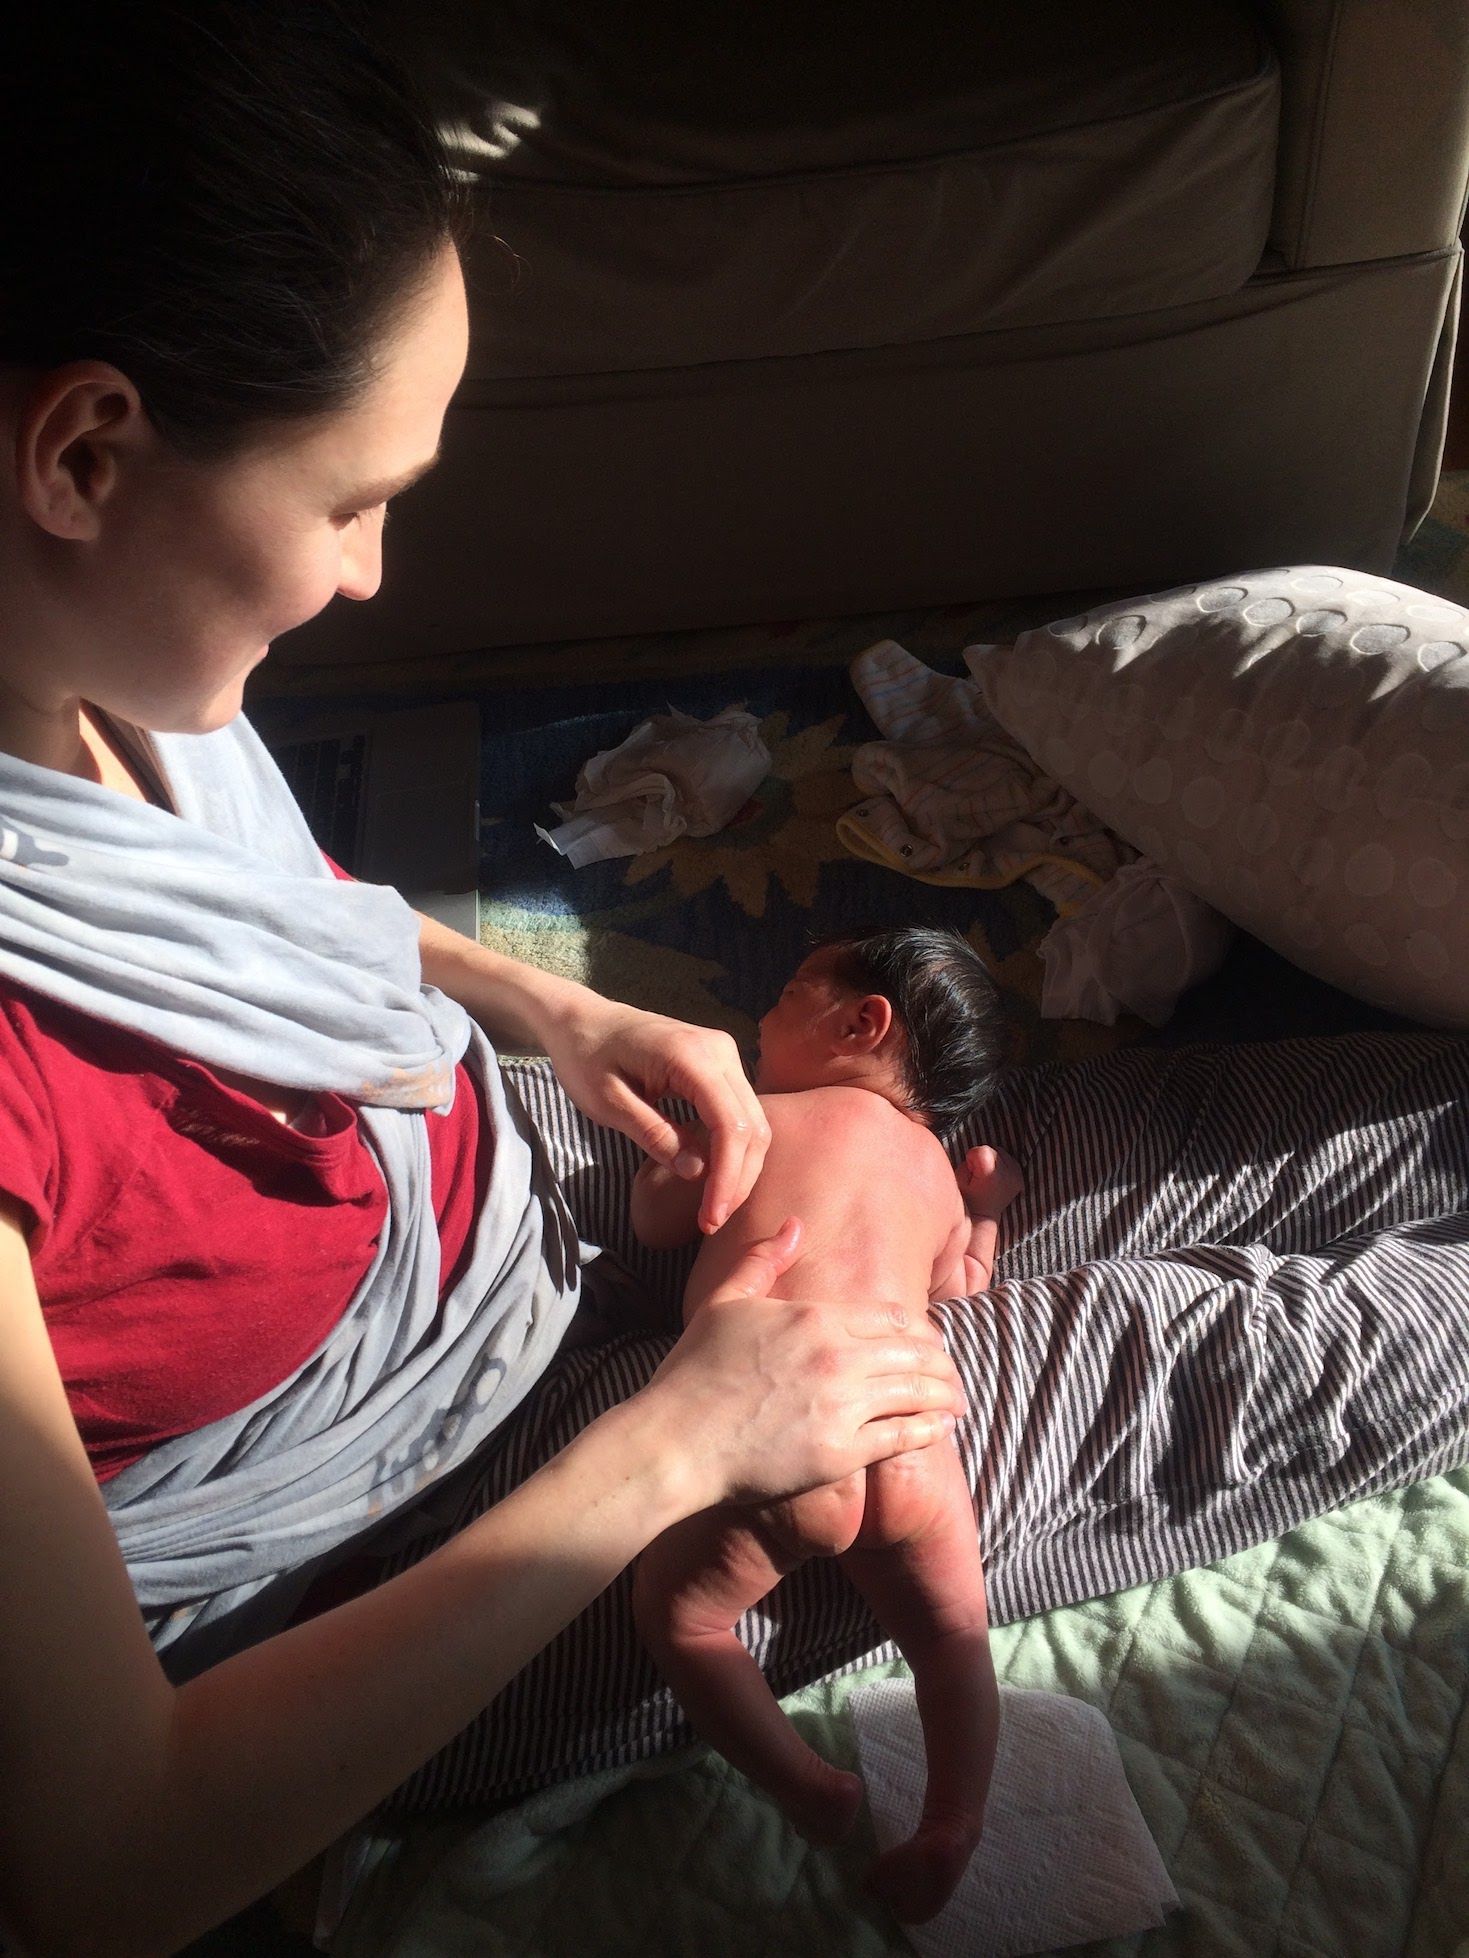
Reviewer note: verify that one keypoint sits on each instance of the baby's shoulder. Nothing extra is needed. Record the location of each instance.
(800, 1107)
(849, 1117)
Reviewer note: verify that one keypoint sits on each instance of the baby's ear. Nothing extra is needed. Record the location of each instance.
(869, 1023)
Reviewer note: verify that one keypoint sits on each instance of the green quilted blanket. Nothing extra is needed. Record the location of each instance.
(1292, 1720)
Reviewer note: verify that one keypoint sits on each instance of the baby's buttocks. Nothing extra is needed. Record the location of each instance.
(906, 1497)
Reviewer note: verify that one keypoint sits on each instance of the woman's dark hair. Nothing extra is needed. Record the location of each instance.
(231, 201)
(947, 1007)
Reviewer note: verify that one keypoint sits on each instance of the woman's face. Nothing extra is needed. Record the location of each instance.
(161, 607)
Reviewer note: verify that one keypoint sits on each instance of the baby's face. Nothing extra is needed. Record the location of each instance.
(796, 1034)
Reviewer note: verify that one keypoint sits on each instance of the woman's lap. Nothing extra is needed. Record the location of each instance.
(1233, 1296)
(1288, 1144)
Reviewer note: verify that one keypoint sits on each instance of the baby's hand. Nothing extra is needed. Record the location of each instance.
(989, 1181)
(665, 1198)
(693, 1149)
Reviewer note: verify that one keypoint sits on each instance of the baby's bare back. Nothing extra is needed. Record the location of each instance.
(878, 1203)
(875, 1193)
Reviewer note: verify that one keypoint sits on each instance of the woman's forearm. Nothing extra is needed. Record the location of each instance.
(514, 1003)
(216, 1790)
(276, 1751)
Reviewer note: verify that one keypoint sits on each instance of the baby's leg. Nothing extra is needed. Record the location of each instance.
(927, 1592)
(691, 1585)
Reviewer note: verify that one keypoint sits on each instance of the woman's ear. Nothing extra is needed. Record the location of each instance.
(866, 1024)
(81, 423)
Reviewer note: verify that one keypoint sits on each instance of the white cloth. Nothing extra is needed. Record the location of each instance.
(1133, 946)
(951, 799)
(1065, 1857)
(673, 776)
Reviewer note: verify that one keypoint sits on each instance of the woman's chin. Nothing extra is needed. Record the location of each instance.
(203, 717)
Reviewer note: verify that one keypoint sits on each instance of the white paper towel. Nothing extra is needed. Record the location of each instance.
(1065, 1856)
(673, 776)
(1135, 945)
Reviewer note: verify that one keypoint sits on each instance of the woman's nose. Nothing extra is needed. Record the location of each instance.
(362, 558)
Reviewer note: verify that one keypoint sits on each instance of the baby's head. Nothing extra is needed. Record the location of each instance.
(911, 1013)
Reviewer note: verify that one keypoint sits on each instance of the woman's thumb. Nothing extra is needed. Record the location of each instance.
(761, 1263)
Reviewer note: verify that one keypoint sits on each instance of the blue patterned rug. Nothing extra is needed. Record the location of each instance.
(709, 929)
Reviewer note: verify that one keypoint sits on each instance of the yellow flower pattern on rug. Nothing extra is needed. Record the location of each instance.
(785, 833)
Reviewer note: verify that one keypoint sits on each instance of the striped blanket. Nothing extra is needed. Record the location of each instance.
(1232, 1297)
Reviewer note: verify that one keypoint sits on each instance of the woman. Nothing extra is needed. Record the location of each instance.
(210, 396)
(281, 1250)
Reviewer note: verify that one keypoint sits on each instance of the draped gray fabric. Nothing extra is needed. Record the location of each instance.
(217, 929)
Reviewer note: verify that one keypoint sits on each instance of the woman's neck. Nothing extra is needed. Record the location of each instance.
(47, 737)
(77, 740)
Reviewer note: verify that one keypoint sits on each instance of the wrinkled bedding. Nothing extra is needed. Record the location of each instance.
(1292, 1720)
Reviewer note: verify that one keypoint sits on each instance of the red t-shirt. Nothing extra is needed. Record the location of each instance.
(190, 1250)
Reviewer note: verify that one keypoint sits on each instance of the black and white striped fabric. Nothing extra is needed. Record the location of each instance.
(1234, 1295)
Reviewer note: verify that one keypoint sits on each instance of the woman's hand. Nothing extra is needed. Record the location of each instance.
(616, 1062)
(770, 1397)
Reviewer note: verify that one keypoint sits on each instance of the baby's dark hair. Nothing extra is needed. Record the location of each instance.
(949, 1011)
(231, 201)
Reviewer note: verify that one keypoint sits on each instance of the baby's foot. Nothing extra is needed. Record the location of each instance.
(917, 1879)
(824, 1808)
(989, 1181)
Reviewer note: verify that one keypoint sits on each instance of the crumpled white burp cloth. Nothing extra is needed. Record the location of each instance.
(1065, 1856)
(673, 776)
(1135, 945)
(951, 799)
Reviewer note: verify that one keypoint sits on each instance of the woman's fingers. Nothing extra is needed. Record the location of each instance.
(739, 1135)
(908, 1375)
(639, 1120)
(882, 1318)
(778, 1396)
(665, 1057)
(900, 1436)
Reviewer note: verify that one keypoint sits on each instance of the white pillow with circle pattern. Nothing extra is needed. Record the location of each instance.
(1293, 745)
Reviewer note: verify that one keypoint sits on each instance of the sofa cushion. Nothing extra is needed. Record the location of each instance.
(686, 185)
(1293, 744)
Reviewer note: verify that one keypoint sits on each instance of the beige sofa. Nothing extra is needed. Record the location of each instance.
(815, 311)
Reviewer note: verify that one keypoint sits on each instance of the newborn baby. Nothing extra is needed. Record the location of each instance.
(872, 1058)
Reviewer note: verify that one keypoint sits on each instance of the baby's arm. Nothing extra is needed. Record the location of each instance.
(950, 1270)
(988, 1182)
(664, 1207)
